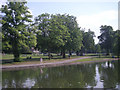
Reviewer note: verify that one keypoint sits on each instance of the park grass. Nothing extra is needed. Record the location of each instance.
(38, 62)
(10, 56)
(7, 56)
(24, 56)
(92, 59)
(56, 60)
(8, 59)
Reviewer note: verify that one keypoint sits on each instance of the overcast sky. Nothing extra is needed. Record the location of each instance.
(90, 15)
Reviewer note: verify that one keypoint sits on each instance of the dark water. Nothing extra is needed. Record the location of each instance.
(96, 75)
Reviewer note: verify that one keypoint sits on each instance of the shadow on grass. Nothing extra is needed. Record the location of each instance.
(32, 59)
(55, 57)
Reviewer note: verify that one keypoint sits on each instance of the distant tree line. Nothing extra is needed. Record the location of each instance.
(50, 33)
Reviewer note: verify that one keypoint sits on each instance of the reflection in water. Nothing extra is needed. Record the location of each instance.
(41, 71)
(99, 82)
(29, 83)
(109, 74)
(94, 75)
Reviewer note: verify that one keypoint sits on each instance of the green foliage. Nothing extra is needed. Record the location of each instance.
(75, 40)
(97, 48)
(14, 28)
(116, 43)
(58, 33)
(106, 38)
(88, 41)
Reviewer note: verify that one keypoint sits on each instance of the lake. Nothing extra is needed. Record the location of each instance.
(92, 75)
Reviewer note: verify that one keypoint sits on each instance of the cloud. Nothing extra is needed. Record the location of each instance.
(94, 21)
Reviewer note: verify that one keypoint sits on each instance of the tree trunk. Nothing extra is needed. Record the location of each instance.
(16, 57)
(16, 51)
(49, 55)
(70, 53)
(16, 54)
(81, 53)
(77, 53)
(107, 52)
(63, 53)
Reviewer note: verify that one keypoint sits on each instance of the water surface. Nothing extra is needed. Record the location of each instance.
(95, 75)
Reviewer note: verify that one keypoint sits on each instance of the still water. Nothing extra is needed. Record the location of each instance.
(95, 75)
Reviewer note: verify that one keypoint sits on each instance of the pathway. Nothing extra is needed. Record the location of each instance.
(43, 64)
(57, 63)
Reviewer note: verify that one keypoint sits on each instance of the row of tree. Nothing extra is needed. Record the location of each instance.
(49, 33)
(58, 33)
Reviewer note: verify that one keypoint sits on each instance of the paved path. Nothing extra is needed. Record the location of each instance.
(43, 64)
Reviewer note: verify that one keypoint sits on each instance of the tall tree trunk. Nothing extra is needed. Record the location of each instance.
(16, 51)
(70, 53)
(49, 55)
(16, 57)
(107, 52)
(63, 53)
(16, 54)
(77, 53)
(81, 53)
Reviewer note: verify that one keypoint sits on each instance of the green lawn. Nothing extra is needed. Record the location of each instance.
(92, 59)
(24, 56)
(8, 58)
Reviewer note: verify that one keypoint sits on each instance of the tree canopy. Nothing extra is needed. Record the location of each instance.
(106, 38)
(14, 28)
(58, 32)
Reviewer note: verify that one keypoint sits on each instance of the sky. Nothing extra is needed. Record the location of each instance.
(90, 15)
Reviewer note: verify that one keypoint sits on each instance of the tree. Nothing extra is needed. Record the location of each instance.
(60, 33)
(42, 22)
(106, 38)
(14, 27)
(116, 43)
(88, 42)
(52, 33)
(70, 33)
(74, 42)
(97, 48)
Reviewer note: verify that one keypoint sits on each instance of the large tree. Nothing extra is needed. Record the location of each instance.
(74, 42)
(60, 32)
(14, 27)
(42, 22)
(106, 38)
(116, 43)
(88, 42)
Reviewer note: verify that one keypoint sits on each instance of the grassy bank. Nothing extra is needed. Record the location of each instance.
(93, 59)
(8, 59)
